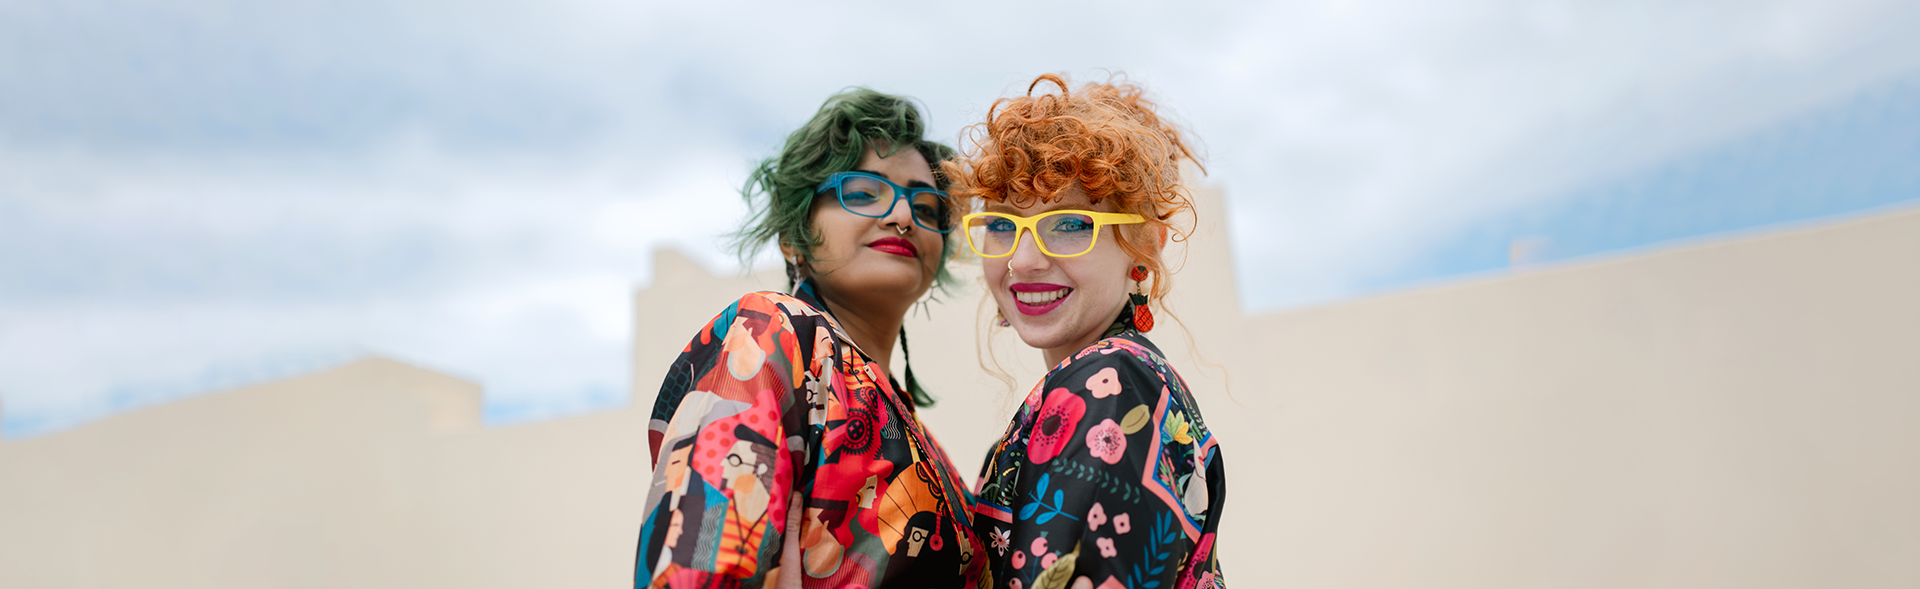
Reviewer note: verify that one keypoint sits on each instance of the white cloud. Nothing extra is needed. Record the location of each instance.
(476, 186)
(600, 300)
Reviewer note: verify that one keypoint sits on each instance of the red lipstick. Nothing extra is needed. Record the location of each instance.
(1038, 298)
(896, 246)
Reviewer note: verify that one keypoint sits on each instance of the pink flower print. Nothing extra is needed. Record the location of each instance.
(1046, 562)
(1107, 442)
(1106, 548)
(1096, 516)
(1122, 523)
(1059, 417)
(1039, 546)
(1105, 383)
(1019, 560)
(1001, 538)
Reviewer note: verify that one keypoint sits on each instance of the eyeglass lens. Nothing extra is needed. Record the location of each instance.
(872, 198)
(1062, 234)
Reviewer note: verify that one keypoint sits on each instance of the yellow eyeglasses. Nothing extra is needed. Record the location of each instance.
(1060, 234)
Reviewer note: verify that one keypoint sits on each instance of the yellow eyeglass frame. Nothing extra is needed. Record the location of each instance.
(1029, 225)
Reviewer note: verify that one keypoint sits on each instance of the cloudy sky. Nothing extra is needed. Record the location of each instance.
(200, 194)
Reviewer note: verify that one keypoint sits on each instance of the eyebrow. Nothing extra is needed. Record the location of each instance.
(910, 183)
(1001, 207)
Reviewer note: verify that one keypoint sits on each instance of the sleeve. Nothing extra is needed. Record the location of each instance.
(1097, 493)
(721, 436)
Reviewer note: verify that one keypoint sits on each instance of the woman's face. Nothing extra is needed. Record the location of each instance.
(863, 257)
(1060, 305)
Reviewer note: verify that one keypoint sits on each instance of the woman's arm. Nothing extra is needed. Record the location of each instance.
(720, 437)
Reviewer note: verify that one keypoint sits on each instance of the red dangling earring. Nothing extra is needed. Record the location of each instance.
(1142, 317)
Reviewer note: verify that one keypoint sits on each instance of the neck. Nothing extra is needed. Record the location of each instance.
(1053, 356)
(873, 327)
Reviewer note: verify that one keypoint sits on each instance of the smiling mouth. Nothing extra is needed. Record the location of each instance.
(1041, 298)
(1038, 303)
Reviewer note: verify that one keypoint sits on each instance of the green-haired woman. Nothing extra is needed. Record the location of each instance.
(785, 454)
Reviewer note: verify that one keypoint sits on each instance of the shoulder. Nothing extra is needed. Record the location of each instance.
(762, 318)
(1144, 361)
(778, 302)
(766, 307)
(748, 334)
(1152, 410)
(1113, 379)
(1127, 380)
(1116, 361)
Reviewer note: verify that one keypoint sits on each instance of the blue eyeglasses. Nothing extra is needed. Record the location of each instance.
(869, 195)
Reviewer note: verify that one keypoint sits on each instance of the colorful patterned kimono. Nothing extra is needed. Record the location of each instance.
(1107, 472)
(772, 398)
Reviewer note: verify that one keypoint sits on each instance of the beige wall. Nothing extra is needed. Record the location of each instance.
(1737, 414)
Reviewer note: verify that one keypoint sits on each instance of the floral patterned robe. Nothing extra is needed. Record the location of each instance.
(1107, 472)
(772, 398)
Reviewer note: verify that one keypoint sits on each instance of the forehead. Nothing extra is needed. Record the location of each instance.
(1072, 197)
(905, 165)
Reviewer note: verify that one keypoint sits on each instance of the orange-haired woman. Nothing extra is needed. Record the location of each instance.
(1108, 476)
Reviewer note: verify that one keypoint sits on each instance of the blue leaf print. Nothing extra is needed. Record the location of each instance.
(1039, 499)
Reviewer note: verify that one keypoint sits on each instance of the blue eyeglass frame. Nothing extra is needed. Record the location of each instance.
(900, 193)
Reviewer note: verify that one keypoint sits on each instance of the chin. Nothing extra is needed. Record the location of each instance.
(1037, 341)
(1039, 337)
(904, 282)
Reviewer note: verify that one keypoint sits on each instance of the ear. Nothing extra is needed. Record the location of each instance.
(791, 256)
(1163, 237)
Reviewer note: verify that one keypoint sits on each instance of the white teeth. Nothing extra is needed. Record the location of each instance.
(1040, 298)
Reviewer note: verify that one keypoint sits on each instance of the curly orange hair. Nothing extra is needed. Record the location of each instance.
(1105, 137)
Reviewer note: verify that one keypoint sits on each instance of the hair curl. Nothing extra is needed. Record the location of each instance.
(780, 190)
(1104, 137)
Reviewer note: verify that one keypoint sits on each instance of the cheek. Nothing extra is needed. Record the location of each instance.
(995, 271)
(930, 246)
(836, 234)
(1101, 273)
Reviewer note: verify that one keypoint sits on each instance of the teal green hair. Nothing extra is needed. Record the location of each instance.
(780, 191)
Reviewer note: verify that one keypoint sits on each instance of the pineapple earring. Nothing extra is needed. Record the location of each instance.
(1142, 317)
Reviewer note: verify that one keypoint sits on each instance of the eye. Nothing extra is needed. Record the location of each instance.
(1071, 225)
(1000, 226)
(858, 197)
